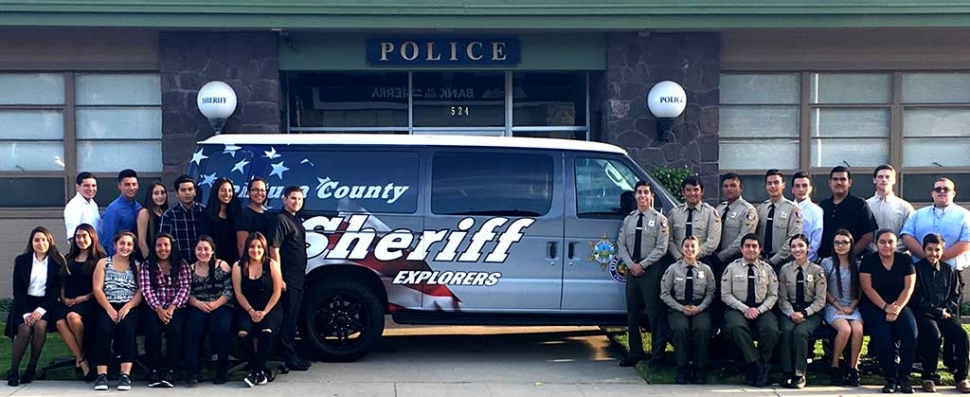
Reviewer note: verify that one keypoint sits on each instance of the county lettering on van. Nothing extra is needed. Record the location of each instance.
(390, 192)
(356, 242)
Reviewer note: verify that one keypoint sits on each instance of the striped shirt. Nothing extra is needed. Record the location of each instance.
(119, 287)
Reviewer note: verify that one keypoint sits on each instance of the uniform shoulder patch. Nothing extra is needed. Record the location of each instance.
(752, 214)
(797, 212)
(663, 223)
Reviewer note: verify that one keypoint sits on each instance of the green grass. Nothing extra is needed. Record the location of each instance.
(726, 372)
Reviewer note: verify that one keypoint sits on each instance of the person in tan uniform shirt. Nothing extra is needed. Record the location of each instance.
(642, 245)
(738, 217)
(749, 288)
(694, 218)
(688, 288)
(801, 297)
(778, 220)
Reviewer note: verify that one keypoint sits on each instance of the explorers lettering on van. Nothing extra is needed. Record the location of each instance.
(447, 277)
(390, 192)
(356, 242)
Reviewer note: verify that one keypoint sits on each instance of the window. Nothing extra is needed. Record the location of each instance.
(759, 118)
(500, 184)
(604, 188)
(116, 124)
(856, 136)
(536, 104)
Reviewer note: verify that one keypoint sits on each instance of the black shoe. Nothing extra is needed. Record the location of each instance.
(29, 374)
(13, 379)
(261, 378)
(905, 386)
(837, 377)
(683, 376)
(124, 382)
(787, 379)
(798, 382)
(751, 376)
(169, 379)
(305, 361)
(221, 376)
(699, 377)
(155, 379)
(762, 374)
(890, 386)
(630, 361)
(852, 377)
(251, 379)
(101, 382)
(294, 364)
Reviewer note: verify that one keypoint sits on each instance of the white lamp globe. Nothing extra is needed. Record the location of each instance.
(667, 99)
(216, 100)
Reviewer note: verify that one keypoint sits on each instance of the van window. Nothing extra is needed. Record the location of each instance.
(509, 184)
(604, 188)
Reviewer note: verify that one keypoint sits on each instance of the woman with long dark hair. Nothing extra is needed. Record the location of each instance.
(116, 289)
(77, 293)
(220, 213)
(801, 297)
(842, 310)
(888, 280)
(257, 283)
(150, 216)
(165, 285)
(254, 217)
(210, 308)
(36, 287)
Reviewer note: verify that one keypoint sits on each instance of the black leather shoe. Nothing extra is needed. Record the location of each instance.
(630, 361)
(683, 374)
(699, 377)
(762, 375)
(13, 379)
(295, 365)
(798, 382)
(905, 386)
(890, 386)
(29, 374)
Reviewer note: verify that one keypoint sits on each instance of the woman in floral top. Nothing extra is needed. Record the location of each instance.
(210, 308)
(165, 285)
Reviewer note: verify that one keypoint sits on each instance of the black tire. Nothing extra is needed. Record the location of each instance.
(343, 320)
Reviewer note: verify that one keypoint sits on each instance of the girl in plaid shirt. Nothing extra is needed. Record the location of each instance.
(165, 285)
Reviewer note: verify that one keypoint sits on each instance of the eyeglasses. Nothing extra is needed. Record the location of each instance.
(842, 242)
(941, 190)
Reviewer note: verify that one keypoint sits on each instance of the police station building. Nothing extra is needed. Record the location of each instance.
(98, 85)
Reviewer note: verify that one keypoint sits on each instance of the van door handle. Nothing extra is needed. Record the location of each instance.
(553, 250)
(571, 251)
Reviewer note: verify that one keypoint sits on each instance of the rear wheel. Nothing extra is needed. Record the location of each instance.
(343, 320)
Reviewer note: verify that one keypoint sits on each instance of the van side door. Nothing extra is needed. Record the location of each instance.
(594, 277)
(499, 213)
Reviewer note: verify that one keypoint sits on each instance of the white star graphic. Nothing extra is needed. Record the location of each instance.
(271, 154)
(208, 179)
(231, 150)
(307, 161)
(239, 167)
(278, 169)
(198, 157)
(322, 181)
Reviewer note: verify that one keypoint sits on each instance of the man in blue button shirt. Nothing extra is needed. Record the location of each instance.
(121, 214)
(945, 218)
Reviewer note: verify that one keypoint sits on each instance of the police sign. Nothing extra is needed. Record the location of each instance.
(443, 52)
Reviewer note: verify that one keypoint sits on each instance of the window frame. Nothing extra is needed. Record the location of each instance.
(68, 110)
(897, 109)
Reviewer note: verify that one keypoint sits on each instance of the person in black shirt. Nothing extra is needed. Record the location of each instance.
(845, 211)
(221, 211)
(289, 249)
(887, 281)
(254, 217)
(936, 305)
(77, 293)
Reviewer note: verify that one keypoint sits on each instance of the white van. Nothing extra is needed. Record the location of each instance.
(443, 229)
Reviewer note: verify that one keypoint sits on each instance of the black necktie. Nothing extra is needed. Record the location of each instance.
(690, 222)
(752, 280)
(769, 231)
(638, 239)
(724, 215)
(800, 290)
(689, 288)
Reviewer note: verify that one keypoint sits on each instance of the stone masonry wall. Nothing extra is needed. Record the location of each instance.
(635, 62)
(249, 62)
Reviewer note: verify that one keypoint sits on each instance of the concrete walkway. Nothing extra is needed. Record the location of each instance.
(462, 362)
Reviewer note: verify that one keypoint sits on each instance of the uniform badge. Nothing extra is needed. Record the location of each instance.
(651, 223)
(784, 215)
(700, 275)
(751, 216)
(809, 278)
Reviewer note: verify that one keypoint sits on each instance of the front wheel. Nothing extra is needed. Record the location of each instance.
(343, 320)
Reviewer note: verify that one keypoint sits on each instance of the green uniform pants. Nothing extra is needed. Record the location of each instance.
(644, 291)
(690, 334)
(738, 329)
(794, 343)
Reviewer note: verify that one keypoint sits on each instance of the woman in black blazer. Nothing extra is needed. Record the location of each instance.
(36, 287)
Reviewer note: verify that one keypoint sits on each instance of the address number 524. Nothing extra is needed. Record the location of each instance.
(459, 111)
